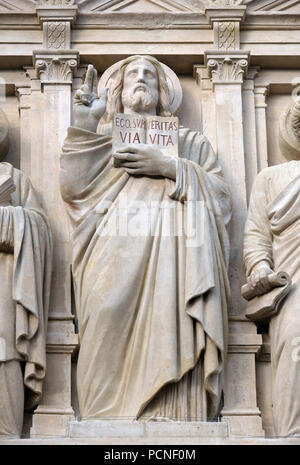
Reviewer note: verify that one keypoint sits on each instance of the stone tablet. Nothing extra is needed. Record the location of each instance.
(156, 131)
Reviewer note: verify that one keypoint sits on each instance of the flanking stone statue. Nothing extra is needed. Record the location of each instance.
(272, 244)
(25, 273)
(150, 254)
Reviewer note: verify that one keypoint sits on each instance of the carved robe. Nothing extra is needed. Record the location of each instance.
(273, 234)
(25, 271)
(152, 308)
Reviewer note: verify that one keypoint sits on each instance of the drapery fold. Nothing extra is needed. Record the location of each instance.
(29, 267)
(152, 299)
(272, 234)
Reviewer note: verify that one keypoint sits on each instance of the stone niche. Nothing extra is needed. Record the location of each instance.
(238, 66)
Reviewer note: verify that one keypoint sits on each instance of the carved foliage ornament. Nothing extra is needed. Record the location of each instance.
(56, 69)
(227, 69)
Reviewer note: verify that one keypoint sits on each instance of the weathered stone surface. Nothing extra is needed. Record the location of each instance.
(25, 268)
(140, 377)
(271, 245)
(237, 102)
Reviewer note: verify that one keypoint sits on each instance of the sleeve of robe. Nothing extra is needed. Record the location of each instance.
(28, 230)
(258, 236)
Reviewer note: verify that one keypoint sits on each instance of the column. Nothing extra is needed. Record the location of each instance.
(51, 97)
(227, 71)
(24, 96)
(208, 108)
(249, 120)
(260, 94)
(228, 67)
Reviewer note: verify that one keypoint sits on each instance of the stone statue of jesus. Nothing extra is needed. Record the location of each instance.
(152, 307)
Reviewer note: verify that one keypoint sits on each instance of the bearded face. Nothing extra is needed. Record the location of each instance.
(140, 99)
(140, 88)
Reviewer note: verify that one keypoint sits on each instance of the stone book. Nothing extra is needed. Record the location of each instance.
(157, 131)
(7, 187)
(265, 306)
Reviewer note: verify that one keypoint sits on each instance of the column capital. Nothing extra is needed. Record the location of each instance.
(227, 67)
(56, 68)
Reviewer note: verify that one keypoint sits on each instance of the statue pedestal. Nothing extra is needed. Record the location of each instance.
(153, 429)
(134, 433)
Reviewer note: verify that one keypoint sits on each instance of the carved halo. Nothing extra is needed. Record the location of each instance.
(289, 141)
(175, 90)
(3, 135)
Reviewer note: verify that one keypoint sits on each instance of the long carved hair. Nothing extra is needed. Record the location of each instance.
(114, 104)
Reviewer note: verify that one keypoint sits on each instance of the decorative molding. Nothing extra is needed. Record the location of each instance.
(55, 2)
(17, 6)
(56, 69)
(285, 6)
(226, 22)
(260, 94)
(57, 34)
(227, 68)
(56, 23)
(146, 6)
(226, 35)
(224, 3)
(58, 14)
(202, 77)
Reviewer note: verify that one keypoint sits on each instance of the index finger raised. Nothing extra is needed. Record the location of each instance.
(89, 77)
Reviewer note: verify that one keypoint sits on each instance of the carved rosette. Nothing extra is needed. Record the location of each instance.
(227, 69)
(56, 69)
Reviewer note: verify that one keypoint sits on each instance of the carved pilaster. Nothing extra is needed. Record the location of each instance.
(56, 19)
(227, 68)
(260, 94)
(56, 69)
(208, 108)
(250, 138)
(24, 97)
(51, 80)
(226, 17)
